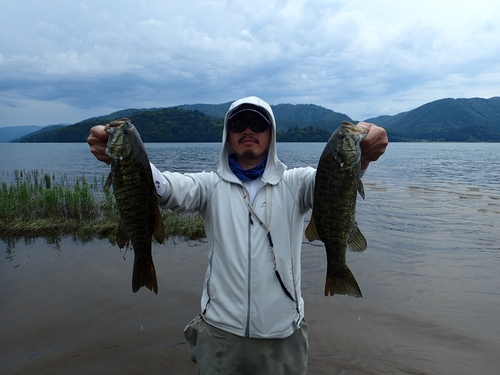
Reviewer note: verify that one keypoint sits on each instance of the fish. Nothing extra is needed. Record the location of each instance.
(136, 199)
(333, 220)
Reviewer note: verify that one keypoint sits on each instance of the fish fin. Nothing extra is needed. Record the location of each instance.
(144, 274)
(357, 242)
(311, 231)
(109, 181)
(121, 237)
(159, 230)
(342, 282)
(361, 189)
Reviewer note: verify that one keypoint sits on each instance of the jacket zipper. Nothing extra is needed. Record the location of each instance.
(249, 265)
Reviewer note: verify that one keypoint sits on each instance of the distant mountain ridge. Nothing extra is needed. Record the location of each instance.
(445, 120)
(190, 123)
(9, 133)
(288, 116)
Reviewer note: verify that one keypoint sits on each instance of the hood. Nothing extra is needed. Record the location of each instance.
(274, 167)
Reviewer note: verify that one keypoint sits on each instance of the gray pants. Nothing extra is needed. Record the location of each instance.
(219, 352)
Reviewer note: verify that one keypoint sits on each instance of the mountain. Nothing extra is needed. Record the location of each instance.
(77, 132)
(9, 133)
(154, 125)
(212, 110)
(288, 116)
(386, 120)
(292, 116)
(46, 129)
(447, 120)
(202, 123)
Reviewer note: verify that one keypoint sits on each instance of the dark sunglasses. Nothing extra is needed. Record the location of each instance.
(257, 126)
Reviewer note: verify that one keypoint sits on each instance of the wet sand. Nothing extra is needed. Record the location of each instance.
(70, 310)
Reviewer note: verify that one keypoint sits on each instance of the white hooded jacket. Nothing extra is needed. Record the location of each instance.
(241, 293)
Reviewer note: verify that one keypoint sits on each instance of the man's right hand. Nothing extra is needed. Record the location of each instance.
(98, 141)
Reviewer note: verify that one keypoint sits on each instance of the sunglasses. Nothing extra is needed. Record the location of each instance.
(257, 126)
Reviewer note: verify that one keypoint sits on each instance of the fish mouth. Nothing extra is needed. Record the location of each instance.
(111, 126)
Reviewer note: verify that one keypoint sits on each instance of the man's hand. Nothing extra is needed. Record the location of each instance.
(98, 140)
(373, 145)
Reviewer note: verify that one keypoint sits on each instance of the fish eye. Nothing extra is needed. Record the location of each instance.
(341, 135)
(125, 132)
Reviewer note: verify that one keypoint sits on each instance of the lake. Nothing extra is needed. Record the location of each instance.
(430, 276)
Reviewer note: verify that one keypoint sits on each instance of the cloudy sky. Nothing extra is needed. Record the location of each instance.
(64, 61)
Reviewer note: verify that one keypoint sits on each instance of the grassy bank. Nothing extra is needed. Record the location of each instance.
(36, 204)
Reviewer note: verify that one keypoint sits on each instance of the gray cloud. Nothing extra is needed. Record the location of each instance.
(63, 62)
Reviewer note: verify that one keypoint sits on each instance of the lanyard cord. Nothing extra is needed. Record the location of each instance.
(266, 228)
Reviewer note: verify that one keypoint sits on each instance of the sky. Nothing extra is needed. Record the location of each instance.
(65, 61)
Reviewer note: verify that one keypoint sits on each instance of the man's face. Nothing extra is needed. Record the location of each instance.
(249, 145)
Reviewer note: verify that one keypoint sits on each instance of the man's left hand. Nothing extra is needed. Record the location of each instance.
(373, 145)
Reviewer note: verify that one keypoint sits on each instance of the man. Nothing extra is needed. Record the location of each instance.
(252, 312)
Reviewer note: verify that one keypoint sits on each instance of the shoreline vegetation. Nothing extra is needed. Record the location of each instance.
(35, 204)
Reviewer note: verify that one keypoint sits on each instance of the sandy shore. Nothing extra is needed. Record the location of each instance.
(70, 310)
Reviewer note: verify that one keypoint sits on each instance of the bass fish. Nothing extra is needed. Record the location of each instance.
(332, 221)
(136, 199)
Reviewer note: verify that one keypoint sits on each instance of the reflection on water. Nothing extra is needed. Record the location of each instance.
(69, 308)
(55, 242)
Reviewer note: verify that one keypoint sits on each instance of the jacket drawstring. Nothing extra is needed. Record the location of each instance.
(269, 238)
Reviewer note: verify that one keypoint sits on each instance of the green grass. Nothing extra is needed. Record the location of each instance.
(36, 204)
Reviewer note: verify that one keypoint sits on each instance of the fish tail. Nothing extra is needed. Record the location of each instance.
(144, 274)
(342, 282)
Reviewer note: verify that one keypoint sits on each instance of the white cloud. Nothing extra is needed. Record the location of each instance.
(362, 58)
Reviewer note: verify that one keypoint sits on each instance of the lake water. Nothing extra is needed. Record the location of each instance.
(430, 276)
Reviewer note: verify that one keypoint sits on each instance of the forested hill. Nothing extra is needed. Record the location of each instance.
(446, 120)
(161, 125)
(288, 116)
(302, 123)
(449, 120)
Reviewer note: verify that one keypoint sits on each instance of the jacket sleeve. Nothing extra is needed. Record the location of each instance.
(187, 192)
(301, 182)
